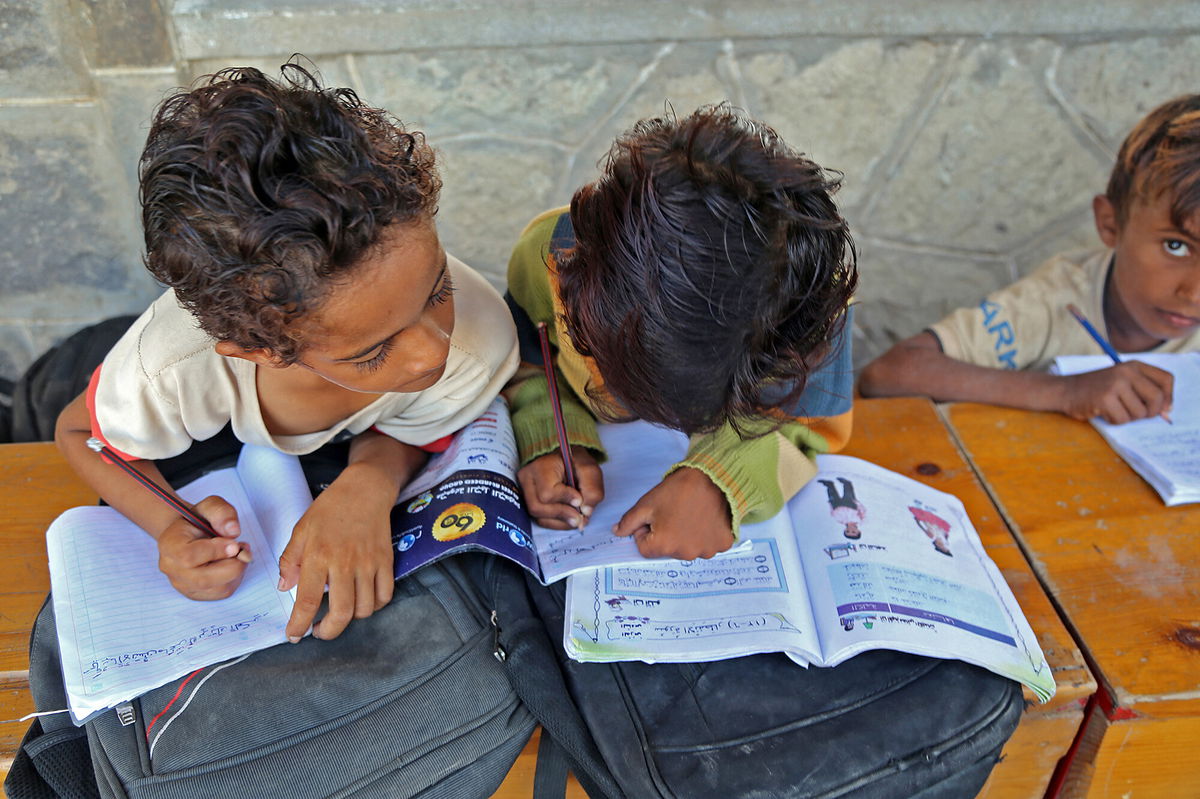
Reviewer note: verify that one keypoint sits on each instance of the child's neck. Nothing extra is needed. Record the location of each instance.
(294, 401)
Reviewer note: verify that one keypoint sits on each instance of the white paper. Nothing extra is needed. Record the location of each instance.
(124, 629)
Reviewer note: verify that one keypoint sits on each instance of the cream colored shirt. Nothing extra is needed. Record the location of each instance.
(163, 385)
(1026, 325)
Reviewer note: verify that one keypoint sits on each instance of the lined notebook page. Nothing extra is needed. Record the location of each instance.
(124, 629)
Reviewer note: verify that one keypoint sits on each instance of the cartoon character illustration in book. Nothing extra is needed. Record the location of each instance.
(934, 526)
(845, 507)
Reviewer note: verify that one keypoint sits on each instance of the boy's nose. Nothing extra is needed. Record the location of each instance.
(1189, 288)
(433, 347)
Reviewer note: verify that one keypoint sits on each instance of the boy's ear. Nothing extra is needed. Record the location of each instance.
(1106, 219)
(261, 356)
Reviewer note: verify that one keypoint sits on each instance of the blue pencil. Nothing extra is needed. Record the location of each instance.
(1094, 333)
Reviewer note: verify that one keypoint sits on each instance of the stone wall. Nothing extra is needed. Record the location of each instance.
(972, 134)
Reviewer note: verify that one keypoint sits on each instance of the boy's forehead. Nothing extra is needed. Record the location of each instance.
(1165, 207)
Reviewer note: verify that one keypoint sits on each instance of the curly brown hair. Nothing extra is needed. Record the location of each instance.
(258, 196)
(711, 272)
(1161, 155)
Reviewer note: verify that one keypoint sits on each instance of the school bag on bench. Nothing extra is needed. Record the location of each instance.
(410, 702)
(882, 725)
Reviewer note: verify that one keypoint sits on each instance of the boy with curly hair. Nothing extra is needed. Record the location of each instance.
(1142, 290)
(309, 302)
(701, 283)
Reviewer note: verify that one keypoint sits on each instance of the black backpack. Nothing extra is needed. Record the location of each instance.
(883, 725)
(410, 702)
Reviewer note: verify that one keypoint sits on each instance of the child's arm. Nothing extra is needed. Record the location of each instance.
(344, 540)
(918, 367)
(199, 567)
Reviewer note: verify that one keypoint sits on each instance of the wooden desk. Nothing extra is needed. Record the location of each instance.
(908, 436)
(1123, 569)
(905, 435)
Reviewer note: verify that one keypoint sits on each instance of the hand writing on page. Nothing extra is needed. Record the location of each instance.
(198, 565)
(343, 541)
(551, 502)
(1119, 394)
(685, 516)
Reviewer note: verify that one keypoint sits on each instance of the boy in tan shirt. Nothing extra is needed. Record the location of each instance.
(1142, 292)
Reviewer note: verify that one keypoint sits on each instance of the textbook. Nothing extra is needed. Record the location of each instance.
(861, 558)
(1167, 456)
(123, 629)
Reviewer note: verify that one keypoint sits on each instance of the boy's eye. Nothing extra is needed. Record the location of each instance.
(1176, 247)
(444, 292)
(376, 360)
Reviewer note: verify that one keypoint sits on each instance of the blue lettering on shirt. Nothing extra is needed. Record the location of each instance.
(1002, 332)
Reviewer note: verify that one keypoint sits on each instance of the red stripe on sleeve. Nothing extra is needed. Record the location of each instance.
(90, 398)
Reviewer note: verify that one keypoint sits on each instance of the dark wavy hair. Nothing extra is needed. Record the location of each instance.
(710, 273)
(1161, 155)
(257, 196)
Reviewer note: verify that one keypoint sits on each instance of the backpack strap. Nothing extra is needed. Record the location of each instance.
(534, 672)
(550, 774)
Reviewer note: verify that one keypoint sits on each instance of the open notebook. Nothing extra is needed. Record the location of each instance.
(1166, 455)
(124, 629)
(862, 558)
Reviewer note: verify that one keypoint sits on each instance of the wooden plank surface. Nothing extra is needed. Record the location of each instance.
(35, 486)
(907, 435)
(1123, 569)
(904, 435)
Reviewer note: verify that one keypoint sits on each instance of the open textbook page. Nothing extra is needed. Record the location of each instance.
(1167, 456)
(123, 629)
(862, 558)
(467, 498)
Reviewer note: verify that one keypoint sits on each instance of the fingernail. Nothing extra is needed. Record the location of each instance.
(574, 522)
(295, 639)
(586, 510)
(576, 502)
(281, 584)
(232, 528)
(231, 550)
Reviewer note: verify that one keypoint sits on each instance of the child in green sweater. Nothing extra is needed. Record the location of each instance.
(703, 284)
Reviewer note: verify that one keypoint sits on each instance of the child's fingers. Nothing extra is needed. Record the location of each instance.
(342, 588)
(364, 595)
(385, 586)
(310, 589)
(640, 516)
(550, 500)
(591, 486)
(220, 514)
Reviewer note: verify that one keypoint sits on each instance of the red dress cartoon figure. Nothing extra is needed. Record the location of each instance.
(933, 526)
(845, 509)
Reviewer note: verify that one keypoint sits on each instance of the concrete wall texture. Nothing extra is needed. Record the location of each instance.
(972, 134)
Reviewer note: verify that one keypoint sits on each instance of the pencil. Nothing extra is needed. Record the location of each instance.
(560, 425)
(1103, 342)
(98, 446)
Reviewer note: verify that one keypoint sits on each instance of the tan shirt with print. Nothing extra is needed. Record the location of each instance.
(1026, 325)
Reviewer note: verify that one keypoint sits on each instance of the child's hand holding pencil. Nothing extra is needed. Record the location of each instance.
(1127, 391)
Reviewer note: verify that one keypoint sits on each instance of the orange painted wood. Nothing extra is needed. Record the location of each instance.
(903, 435)
(35, 486)
(519, 782)
(1123, 569)
(907, 435)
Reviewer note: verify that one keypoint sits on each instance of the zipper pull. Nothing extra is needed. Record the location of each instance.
(497, 650)
(125, 713)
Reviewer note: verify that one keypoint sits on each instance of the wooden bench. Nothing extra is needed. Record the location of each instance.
(1122, 568)
(907, 436)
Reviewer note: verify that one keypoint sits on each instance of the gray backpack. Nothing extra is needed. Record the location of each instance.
(411, 702)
